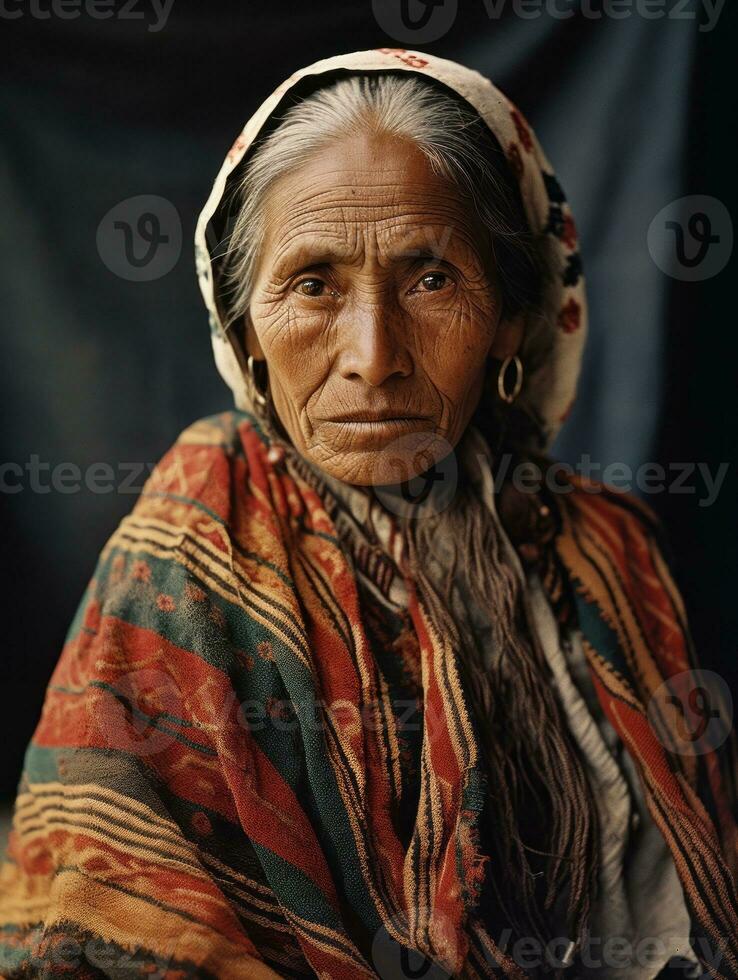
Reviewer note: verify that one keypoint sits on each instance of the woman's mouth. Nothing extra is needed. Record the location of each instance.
(373, 416)
(376, 426)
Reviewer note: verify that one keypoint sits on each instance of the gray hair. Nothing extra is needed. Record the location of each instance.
(455, 141)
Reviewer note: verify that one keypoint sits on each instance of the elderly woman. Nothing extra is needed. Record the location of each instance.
(365, 686)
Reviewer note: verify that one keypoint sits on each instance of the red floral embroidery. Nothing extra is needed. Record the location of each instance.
(569, 234)
(522, 130)
(570, 316)
(141, 571)
(194, 593)
(165, 602)
(264, 649)
(515, 160)
(246, 659)
(217, 616)
(407, 58)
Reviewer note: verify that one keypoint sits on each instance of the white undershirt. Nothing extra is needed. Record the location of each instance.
(640, 919)
(641, 900)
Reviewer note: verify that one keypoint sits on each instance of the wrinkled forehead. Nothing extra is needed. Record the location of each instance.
(364, 194)
(221, 221)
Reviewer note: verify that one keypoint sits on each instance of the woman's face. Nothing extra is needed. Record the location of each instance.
(375, 305)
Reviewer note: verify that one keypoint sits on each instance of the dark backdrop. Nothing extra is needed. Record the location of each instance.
(97, 368)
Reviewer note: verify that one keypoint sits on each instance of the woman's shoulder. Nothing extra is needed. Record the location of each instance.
(224, 435)
(180, 537)
(561, 503)
(616, 552)
(222, 430)
(577, 531)
(592, 506)
(612, 525)
(197, 475)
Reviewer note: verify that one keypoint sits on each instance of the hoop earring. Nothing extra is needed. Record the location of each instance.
(509, 396)
(258, 395)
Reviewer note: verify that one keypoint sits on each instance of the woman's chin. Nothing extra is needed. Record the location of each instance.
(383, 455)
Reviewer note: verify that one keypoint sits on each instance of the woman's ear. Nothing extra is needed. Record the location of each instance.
(250, 340)
(508, 337)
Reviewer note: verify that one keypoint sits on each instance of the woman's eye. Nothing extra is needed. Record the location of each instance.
(311, 287)
(431, 282)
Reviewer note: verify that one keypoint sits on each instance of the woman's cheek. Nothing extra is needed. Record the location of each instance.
(294, 342)
(286, 329)
(456, 334)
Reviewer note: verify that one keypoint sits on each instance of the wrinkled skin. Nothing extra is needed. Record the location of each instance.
(375, 294)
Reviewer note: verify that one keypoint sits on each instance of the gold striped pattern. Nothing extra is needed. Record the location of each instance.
(190, 549)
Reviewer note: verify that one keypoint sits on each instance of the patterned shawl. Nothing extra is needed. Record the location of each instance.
(212, 789)
(219, 785)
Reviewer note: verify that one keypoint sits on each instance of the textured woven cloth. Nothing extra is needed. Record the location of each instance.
(218, 781)
(641, 901)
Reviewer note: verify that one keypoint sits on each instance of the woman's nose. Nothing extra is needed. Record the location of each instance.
(373, 342)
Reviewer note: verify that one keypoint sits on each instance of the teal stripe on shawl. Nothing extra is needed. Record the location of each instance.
(285, 679)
